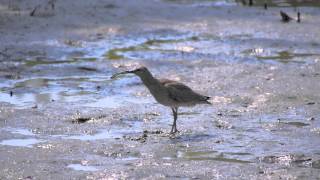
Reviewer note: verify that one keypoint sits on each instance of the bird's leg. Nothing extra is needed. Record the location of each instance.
(175, 122)
(175, 116)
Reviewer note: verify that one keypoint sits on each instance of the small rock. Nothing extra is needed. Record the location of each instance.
(81, 120)
(311, 119)
(311, 103)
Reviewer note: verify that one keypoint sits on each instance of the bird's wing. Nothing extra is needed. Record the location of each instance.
(164, 82)
(182, 93)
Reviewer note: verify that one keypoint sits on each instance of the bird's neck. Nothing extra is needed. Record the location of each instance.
(149, 80)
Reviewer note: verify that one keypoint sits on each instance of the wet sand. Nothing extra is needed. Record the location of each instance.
(62, 117)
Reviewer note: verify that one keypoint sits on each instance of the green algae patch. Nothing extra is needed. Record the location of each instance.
(118, 53)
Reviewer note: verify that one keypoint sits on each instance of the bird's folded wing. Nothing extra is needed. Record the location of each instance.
(180, 92)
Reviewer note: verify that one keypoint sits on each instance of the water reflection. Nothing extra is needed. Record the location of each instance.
(80, 167)
(43, 90)
(113, 132)
(29, 142)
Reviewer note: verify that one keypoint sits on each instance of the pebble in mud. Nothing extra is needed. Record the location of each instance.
(81, 120)
(144, 136)
(311, 103)
(291, 159)
(311, 119)
(153, 132)
(141, 138)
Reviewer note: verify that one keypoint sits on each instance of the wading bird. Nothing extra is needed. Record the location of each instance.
(168, 93)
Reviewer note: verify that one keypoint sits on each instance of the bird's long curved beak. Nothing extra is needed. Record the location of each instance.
(120, 73)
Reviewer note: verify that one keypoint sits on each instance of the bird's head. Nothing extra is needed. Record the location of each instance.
(139, 72)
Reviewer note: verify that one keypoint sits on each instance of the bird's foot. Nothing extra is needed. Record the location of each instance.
(172, 135)
(172, 132)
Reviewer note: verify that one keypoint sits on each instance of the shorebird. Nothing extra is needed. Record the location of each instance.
(168, 93)
(285, 17)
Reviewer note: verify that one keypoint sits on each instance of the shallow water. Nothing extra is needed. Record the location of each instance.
(29, 140)
(114, 132)
(80, 167)
(44, 86)
(21, 142)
